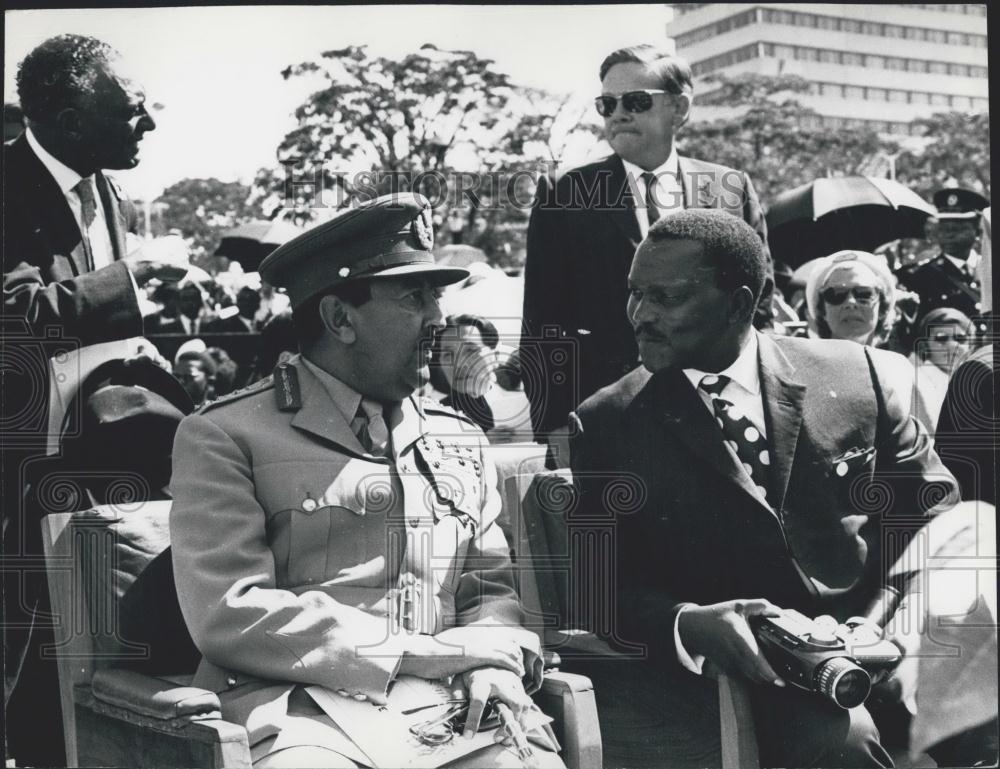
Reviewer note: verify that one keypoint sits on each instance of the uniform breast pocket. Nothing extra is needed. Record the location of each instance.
(323, 538)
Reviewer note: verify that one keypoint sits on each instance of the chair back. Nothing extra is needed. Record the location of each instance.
(92, 558)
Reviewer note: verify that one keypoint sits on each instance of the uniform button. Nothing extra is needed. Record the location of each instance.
(343, 692)
(359, 697)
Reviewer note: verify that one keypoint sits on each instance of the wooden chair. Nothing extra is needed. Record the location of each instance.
(635, 731)
(123, 705)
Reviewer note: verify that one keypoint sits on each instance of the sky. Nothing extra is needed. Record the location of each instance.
(216, 71)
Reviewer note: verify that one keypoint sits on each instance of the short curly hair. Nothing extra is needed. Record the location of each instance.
(60, 73)
(729, 245)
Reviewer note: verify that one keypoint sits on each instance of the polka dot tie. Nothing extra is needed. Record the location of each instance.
(739, 433)
(652, 212)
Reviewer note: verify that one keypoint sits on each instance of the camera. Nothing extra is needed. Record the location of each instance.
(839, 661)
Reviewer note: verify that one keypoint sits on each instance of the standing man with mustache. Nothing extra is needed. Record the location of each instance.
(587, 223)
(67, 286)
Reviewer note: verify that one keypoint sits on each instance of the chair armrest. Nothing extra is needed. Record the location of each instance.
(153, 697)
(569, 699)
(738, 736)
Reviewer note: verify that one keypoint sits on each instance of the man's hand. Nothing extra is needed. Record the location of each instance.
(483, 683)
(146, 353)
(721, 634)
(165, 259)
(459, 649)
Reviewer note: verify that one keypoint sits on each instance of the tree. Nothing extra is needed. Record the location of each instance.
(201, 209)
(773, 137)
(443, 123)
(400, 123)
(956, 149)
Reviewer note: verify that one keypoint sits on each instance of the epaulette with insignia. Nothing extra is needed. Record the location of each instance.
(257, 387)
(456, 473)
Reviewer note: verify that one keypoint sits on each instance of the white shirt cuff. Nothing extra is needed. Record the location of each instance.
(695, 663)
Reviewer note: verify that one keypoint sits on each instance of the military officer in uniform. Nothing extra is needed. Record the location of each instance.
(329, 526)
(950, 279)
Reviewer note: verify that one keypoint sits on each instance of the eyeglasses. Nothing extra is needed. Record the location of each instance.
(862, 295)
(632, 101)
(942, 337)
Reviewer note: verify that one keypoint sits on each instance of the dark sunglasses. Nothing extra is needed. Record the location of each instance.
(941, 336)
(861, 294)
(632, 101)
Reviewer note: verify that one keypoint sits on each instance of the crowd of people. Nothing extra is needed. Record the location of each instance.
(660, 340)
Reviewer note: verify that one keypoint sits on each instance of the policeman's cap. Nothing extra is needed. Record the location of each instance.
(958, 203)
(390, 236)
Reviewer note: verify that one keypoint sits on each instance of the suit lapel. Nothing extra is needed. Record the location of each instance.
(687, 417)
(697, 183)
(783, 402)
(620, 203)
(113, 215)
(46, 205)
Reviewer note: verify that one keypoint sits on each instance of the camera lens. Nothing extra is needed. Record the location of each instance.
(843, 682)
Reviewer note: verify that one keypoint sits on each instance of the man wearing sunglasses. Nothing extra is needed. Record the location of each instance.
(587, 223)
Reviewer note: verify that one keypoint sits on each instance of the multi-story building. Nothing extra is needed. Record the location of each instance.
(885, 65)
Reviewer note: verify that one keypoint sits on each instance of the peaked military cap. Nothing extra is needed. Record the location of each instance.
(958, 203)
(390, 236)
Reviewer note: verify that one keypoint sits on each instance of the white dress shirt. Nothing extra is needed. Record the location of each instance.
(97, 233)
(668, 195)
(743, 391)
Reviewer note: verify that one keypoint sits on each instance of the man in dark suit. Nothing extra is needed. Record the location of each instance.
(588, 221)
(67, 285)
(247, 304)
(769, 473)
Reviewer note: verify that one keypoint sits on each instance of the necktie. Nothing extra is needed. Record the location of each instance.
(374, 433)
(738, 431)
(88, 208)
(652, 212)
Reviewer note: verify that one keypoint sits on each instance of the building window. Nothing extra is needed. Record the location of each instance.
(805, 20)
(854, 92)
(916, 65)
(960, 70)
(806, 54)
(919, 97)
(900, 97)
(914, 33)
(956, 38)
(850, 25)
(963, 103)
(831, 89)
(939, 100)
(827, 22)
(876, 94)
(784, 52)
(978, 72)
(829, 57)
(936, 36)
(937, 68)
(893, 62)
(852, 59)
(875, 62)
(871, 28)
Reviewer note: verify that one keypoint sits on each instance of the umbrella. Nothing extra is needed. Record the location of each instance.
(251, 242)
(828, 215)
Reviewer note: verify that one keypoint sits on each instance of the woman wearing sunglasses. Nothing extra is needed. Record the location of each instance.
(943, 340)
(851, 296)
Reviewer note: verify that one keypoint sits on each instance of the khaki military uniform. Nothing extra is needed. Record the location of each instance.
(300, 558)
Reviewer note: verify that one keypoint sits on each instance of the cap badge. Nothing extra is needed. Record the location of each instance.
(953, 200)
(423, 229)
(344, 272)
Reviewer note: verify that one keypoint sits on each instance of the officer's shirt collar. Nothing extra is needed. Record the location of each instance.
(669, 166)
(344, 397)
